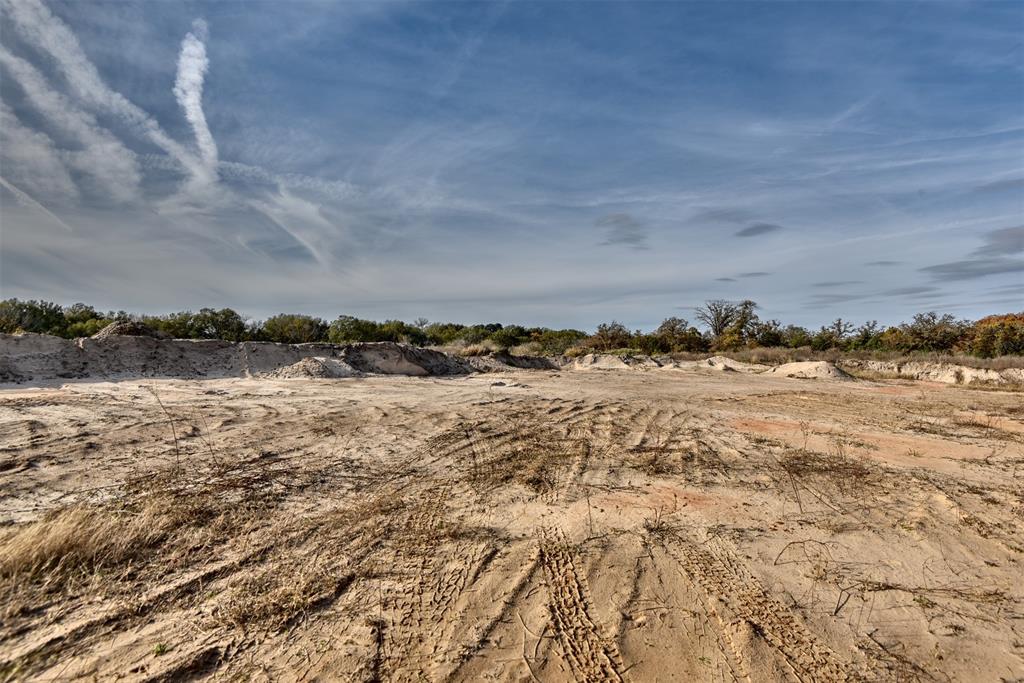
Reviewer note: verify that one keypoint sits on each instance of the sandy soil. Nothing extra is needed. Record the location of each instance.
(530, 526)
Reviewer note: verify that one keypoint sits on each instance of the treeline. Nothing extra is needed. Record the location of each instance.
(81, 320)
(726, 326)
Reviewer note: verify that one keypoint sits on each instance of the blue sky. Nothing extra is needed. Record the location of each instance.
(544, 163)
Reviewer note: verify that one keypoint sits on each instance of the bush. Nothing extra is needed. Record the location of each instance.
(509, 336)
(557, 342)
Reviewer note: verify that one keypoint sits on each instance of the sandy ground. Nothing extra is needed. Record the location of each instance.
(528, 526)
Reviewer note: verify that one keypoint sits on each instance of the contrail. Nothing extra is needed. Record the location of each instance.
(25, 199)
(188, 89)
(38, 24)
(103, 156)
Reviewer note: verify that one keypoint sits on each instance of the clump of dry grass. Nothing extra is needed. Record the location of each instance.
(533, 455)
(154, 523)
(276, 599)
(847, 474)
(84, 536)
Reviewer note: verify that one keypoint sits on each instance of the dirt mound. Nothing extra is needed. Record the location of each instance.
(716, 363)
(127, 328)
(729, 365)
(316, 368)
(605, 361)
(812, 369)
(506, 362)
(390, 358)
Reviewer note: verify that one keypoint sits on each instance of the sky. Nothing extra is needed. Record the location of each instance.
(544, 163)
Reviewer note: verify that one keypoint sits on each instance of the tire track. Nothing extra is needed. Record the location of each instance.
(747, 613)
(590, 655)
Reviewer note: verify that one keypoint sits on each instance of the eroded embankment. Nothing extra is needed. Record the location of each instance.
(34, 357)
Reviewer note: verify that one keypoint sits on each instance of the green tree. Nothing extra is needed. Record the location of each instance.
(291, 328)
(42, 317)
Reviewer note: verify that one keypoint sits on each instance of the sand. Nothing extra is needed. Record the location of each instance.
(535, 524)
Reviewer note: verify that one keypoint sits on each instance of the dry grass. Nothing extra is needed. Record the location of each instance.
(153, 523)
(533, 455)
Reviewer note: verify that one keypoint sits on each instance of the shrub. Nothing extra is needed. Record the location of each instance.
(556, 342)
(509, 336)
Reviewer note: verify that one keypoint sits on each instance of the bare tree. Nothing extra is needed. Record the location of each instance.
(718, 315)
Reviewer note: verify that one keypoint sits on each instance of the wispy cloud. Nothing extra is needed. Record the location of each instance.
(971, 269)
(623, 229)
(758, 229)
(991, 258)
(836, 283)
(1003, 242)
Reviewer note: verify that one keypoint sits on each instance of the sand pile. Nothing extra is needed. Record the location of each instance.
(715, 363)
(724, 364)
(316, 368)
(127, 328)
(390, 358)
(604, 361)
(505, 362)
(813, 369)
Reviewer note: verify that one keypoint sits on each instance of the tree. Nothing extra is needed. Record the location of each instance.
(213, 324)
(765, 332)
(795, 336)
(718, 315)
(676, 334)
(42, 317)
(867, 336)
(83, 321)
(996, 335)
(932, 332)
(613, 335)
(290, 328)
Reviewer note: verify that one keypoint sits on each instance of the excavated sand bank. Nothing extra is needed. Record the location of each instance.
(34, 357)
(37, 358)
